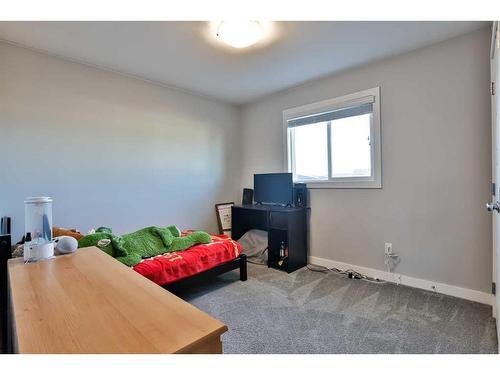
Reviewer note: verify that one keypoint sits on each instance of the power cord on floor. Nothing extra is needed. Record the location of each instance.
(351, 274)
(258, 263)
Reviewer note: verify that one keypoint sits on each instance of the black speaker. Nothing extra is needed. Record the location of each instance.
(5, 225)
(5, 254)
(300, 195)
(247, 196)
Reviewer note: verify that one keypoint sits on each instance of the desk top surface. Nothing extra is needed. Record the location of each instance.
(88, 302)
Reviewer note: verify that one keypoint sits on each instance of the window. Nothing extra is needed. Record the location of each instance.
(336, 143)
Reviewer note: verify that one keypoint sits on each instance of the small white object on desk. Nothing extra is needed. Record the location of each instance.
(65, 244)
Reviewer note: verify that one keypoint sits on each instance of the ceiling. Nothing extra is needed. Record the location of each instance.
(185, 55)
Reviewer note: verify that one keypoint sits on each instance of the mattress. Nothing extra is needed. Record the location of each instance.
(167, 268)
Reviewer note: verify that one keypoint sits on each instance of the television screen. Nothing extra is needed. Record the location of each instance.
(273, 188)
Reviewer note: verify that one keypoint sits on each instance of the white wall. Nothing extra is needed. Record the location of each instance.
(116, 151)
(436, 164)
(111, 150)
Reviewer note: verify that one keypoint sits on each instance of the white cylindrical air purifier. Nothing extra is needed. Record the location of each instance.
(38, 229)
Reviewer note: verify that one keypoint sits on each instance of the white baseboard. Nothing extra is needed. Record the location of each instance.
(452, 290)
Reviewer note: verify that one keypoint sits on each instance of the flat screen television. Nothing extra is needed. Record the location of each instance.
(273, 188)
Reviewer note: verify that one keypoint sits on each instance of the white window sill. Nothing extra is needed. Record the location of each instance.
(342, 184)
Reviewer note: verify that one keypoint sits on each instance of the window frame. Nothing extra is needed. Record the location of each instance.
(362, 182)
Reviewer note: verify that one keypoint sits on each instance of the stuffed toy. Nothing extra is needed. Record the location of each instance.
(131, 248)
(58, 231)
(102, 239)
(65, 244)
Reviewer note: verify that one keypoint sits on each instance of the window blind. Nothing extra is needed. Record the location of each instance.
(353, 110)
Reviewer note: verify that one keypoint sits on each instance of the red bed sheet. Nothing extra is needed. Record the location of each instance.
(167, 268)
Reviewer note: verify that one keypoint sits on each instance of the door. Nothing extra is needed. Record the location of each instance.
(495, 205)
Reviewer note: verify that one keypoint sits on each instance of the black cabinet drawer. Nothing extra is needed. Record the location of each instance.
(278, 219)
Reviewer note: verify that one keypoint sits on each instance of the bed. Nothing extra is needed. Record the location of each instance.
(189, 267)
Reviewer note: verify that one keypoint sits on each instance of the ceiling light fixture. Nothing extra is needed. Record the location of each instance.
(240, 34)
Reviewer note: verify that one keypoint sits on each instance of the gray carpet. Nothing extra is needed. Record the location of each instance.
(310, 312)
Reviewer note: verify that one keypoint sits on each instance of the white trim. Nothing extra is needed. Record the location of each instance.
(330, 105)
(370, 95)
(452, 290)
(360, 97)
(494, 73)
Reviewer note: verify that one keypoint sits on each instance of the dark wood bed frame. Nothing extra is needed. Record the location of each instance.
(5, 254)
(239, 262)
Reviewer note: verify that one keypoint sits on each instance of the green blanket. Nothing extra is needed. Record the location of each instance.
(131, 248)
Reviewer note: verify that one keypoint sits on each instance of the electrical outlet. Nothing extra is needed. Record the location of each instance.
(388, 248)
(398, 279)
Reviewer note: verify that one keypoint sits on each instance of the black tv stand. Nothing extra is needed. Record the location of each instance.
(286, 225)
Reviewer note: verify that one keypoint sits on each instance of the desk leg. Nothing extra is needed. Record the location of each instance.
(243, 267)
(211, 345)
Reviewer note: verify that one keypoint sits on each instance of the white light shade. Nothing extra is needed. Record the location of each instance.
(240, 34)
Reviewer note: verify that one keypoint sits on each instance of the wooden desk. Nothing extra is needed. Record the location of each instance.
(88, 302)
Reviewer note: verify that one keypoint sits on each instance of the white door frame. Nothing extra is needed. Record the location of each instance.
(495, 136)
